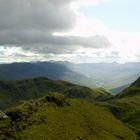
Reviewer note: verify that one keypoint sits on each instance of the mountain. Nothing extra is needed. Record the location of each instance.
(93, 75)
(15, 71)
(119, 89)
(108, 75)
(55, 117)
(13, 92)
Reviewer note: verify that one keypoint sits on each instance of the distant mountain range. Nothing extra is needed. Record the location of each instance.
(107, 75)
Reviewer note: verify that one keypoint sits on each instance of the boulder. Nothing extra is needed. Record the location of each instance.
(3, 115)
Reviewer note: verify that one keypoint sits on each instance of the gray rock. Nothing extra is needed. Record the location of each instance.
(3, 115)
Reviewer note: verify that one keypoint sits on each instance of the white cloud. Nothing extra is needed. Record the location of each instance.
(126, 44)
(56, 29)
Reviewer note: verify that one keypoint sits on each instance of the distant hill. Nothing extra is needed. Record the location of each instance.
(87, 93)
(108, 75)
(94, 75)
(15, 71)
(56, 117)
(119, 89)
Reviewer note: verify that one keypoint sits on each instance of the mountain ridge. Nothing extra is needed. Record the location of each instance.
(93, 75)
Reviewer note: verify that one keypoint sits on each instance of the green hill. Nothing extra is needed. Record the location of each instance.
(61, 110)
(133, 89)
(126, 106)
(12, 92)
(87, 93)
(56, 117)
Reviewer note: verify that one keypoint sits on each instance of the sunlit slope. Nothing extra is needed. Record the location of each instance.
(56, 117)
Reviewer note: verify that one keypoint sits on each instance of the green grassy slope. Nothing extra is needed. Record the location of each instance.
(126, 105)
(56, 117)
(87, 93)
(133, 89)
(12, 92)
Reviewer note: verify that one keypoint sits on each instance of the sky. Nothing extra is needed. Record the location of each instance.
(79, 31)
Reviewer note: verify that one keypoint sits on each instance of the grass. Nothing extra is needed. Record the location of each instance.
(77, 119)
(13, 92)
(129, 110)
(69, 115)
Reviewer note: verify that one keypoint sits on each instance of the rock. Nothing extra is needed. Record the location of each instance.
(3, 115)
(58, 99)
(15, 116)
(79, 137)
(138, 134)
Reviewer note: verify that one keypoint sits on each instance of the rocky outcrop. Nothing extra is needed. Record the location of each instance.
(3, 115)
(60, 100)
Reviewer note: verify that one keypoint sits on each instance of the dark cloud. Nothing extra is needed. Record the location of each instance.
(30, 24)
(46, 43)
(48, 15)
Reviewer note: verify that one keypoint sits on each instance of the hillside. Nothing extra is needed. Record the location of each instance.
(62, 110)
(126, 106)
(132, 90)
(56, 117)
(87, 93)
(12, 92)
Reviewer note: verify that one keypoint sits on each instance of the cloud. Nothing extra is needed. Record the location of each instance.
(57, 29)
(31, 24)
(47, 15)
(39, 41)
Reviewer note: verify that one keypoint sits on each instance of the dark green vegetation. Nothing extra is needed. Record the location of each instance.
(56, 117)
(64, 111)
(126, 106)
(12, 92)
(132, 90)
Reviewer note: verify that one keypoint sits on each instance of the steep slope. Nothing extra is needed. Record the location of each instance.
(133, 89)
(126, 106)
(56, 117)
(12, 92)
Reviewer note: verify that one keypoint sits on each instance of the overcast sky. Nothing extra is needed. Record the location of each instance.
(71, 30)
